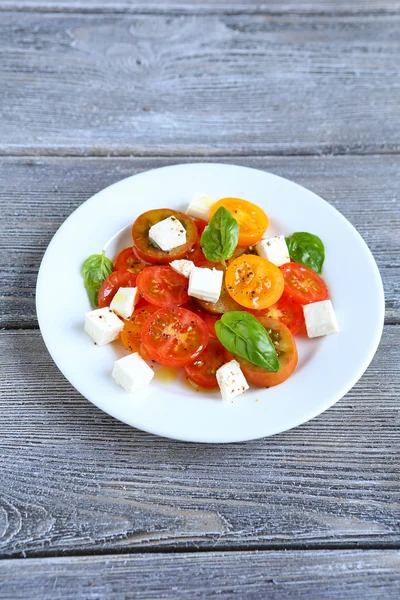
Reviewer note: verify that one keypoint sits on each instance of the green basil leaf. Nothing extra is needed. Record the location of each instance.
(92, 293)
(95, 270)
(307, 249)
(220, 237)
(241, 333)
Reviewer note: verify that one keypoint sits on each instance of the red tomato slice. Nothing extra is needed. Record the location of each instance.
(131, 333)
(200, 226)
(146, 250)
(303, 285)
(210, 321)
(111, 285)
(196, 255)
(287, 356)
(174, 337)
(162, 286)
(128, 260)
(286, 311)
(202, 370)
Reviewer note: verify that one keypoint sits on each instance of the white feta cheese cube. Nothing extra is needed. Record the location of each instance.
(320, 319)
(132, 372)
(199, 208)
(124, 301)
(205, 284)
(274, 249)
(231, 380)
(103, 325)
(168, 234)
(182, 266)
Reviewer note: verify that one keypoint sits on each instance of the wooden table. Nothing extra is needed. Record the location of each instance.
(92, 91)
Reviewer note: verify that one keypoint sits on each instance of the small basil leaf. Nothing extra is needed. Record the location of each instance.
(95, 270)
(220, 237)
(92, 293)
(307, 249)
(241, 333)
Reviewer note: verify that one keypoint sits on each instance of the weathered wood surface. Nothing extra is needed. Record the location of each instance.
(105, 84)
(38, 194)
(313, 7)
(74, 479)
(334, 575)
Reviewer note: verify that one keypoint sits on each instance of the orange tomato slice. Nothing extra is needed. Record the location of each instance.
(254, 282)
(251, 219)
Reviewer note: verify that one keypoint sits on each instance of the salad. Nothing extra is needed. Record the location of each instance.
(208, 291)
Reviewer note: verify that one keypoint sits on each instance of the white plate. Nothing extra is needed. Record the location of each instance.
(328, 367)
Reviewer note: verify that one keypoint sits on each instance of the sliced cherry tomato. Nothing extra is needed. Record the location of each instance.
(111, 285)
(162, 286)
(302, 284)
(146, 250)
(196, 255)
(210, 321)
(200, 226)
(254, 282)
(287, 356)
(286, 311)
(128, 260)
(251, 219)
(130, 335)
(202, 370)
(174, 337)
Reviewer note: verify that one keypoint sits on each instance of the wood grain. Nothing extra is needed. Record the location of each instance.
(75, 480)
(217, 575)
(309, 7)
(105, 84)
(38, 194)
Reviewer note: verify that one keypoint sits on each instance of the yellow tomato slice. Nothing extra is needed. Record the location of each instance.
(251, 219)
(254, 282)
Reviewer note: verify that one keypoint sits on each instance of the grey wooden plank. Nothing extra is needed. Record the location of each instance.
(74, 479)
(253, 575)
(208, 6)
(38, 194)
(208, 84)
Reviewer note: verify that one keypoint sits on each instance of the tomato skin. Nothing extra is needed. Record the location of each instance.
(162, 286)
(146, 250)
(254, 282)
(286, 311)
(202, 370)
(303, 285)
(210, 321)
(174, 337)
(196, 255)
(200, 226)
(287, 356)
(128, 260)
(252, 220)
(131, 333)
(111, 285)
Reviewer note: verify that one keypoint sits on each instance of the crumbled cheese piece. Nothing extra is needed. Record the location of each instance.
(124, 301)
(103, 325)
(199, 208)
(182, 266)
(231, 380)
(205, 284)
(168, 234)
(320, 319)
(132, 372)
(274, 249)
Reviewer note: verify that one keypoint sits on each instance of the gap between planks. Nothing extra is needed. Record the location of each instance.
(204, 549)
(278, 9)
(195, 155)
